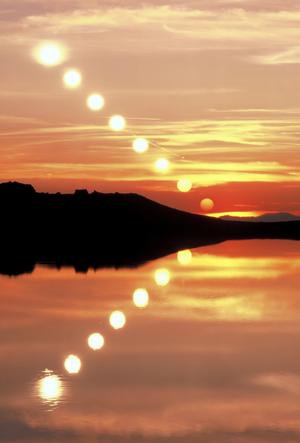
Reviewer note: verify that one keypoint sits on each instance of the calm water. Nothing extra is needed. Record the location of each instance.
(214, 357)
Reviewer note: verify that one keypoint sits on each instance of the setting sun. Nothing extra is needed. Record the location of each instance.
(184, 185)
(117, 123)
(96, 341)
(72, 79)
(117, 319)
(140, 145)
(95, 102)
(72, 364)
(141, 298)
(207, 204)
(50, 54)
(162, 277)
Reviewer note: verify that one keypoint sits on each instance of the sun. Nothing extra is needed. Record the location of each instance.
(140, 145)
(96, 341)
(50, 54)
(141, 298)
(117, 320)
(72, 78)
(162, 165)
(184, 185)
(117, 123)
(207, 204)
(72, 364)
(95, 102)
(162, 277)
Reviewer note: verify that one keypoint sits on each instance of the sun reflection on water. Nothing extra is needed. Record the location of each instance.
(50, 388)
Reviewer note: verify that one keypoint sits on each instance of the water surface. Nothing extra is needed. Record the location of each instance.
(214, 357)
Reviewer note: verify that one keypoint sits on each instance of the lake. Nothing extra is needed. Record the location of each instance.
(212, 356)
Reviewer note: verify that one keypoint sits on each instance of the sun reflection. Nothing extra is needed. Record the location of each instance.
(140, 145)
(95, 102)
(162, 165)
(49, 54)
(72, 364)
(184, 257)
(162, 277)
(96, 341)
(117, 123)
(184, 185)
(50, 387)
(207, 204)
(117, 320)
(72, 78)
(141, 298)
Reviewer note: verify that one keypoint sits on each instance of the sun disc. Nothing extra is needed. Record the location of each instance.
(72, 78)
(95, 102)
(162, 165)
(184, 185)
(140, 145)
(207, 204)
(50, 54)
(72, 364)
(117, 123)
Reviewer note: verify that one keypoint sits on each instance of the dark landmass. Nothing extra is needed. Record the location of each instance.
(93, 230)
(265, 218)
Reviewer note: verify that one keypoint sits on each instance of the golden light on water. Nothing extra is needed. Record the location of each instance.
(140, 145)
(117, 123)
(184, 257)
(184, 185)
(162, 165)
(96, 341)
(207, 204)
(72, 364)
(50, 387)
(49, 54)
(162, 277)
(141, 298)
(95, 102)
(117, 320)
(72, 78)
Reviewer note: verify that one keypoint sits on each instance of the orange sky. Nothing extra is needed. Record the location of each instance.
(212, 84)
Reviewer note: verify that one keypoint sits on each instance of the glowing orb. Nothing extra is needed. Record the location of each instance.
(207, 204)
(140, 145)
(162, 165)
(49, 54)
(162, 277)
(95, 102)
(141, 298)
(117, 320)
(184, 257)
(184, 185)
(72, 364)
(117, 123)
(96, 341)
(50, 387)
(72, 79)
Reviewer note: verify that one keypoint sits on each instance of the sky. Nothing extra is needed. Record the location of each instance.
(212, 84)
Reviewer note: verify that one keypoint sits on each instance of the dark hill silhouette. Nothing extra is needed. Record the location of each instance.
(92, 230)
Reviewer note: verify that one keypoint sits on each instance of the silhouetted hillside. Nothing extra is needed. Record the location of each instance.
(96, 230)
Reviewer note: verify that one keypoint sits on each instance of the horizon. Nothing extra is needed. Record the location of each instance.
(220, 106)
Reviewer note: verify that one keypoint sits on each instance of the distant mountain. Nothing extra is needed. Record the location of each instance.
(92, 230)
(265, 218)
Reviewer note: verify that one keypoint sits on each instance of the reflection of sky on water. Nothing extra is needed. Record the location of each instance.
(213, 358)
